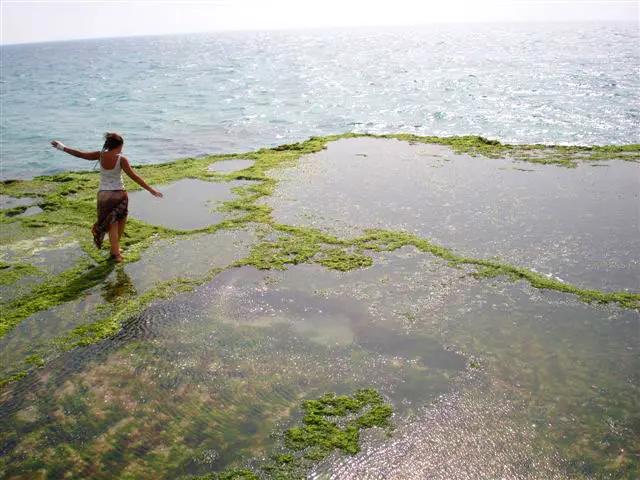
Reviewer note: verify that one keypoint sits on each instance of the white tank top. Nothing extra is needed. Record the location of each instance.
(111, 179)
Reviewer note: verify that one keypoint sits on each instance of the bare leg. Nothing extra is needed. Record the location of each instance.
(114, 239)
(121, 224)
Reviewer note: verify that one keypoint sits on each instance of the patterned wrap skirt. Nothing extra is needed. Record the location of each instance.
(113, 205)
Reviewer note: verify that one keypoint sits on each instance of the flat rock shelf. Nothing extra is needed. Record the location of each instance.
(348, 307)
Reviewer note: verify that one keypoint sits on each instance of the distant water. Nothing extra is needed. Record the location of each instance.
(177, 96)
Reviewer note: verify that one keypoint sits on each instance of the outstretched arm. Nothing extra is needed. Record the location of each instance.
(124, 163)
(76, 153)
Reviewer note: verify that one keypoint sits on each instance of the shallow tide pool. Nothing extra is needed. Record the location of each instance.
(580, 225)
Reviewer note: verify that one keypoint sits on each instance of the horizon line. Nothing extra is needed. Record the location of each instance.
(326, 27)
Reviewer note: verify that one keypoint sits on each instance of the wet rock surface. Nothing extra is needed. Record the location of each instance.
(7, 201)
(230, 165)
(202, 360)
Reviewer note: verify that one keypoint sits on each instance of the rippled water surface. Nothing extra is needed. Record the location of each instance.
(195, 383)
(187, 95)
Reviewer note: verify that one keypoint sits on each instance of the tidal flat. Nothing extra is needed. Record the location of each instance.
(352, 306)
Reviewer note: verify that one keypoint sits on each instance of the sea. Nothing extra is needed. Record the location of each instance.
(191, 95)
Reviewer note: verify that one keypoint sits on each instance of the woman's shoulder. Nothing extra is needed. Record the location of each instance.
(123, 160)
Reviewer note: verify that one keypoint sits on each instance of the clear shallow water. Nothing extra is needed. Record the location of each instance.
(52, 255)
(188, 95)
(184, 257)
(164, 260)
(219, 367)
(194, 383)
(200, 381)
(560, 375)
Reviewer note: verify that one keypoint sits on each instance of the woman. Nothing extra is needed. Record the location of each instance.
(113, 200)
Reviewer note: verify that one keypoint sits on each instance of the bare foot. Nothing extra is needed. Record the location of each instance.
(117, 257)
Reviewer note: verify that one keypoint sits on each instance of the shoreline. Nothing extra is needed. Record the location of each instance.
(566, 154)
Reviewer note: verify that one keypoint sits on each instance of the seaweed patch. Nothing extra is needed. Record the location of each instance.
(330, 423)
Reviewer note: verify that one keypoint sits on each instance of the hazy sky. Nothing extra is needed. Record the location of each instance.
(44, 20)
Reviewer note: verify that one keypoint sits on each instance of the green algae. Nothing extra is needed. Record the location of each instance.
(74, 282)
(12, 272)
(322, 434)
(115, 315)
(381, 240)
(135, 395)
(561, 155)
(330, 423)
(62, 288)
(229, 474)
(280, 252)
(288, 245)
(385, 240)
(13, 378)
(338, 259)
(492, 269)
(34, 359)
(84, 335)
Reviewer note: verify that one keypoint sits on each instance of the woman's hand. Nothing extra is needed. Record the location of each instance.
(76, 153)
(155, 192)
(58, 144)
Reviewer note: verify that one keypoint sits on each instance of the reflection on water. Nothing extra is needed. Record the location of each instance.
(188, 204)
(468, 436)
(30, 211)
(119, 288)
(52, 254)
(561, 393)
(580, 225)
(189, 257)
(36, 331)
(164, 260)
